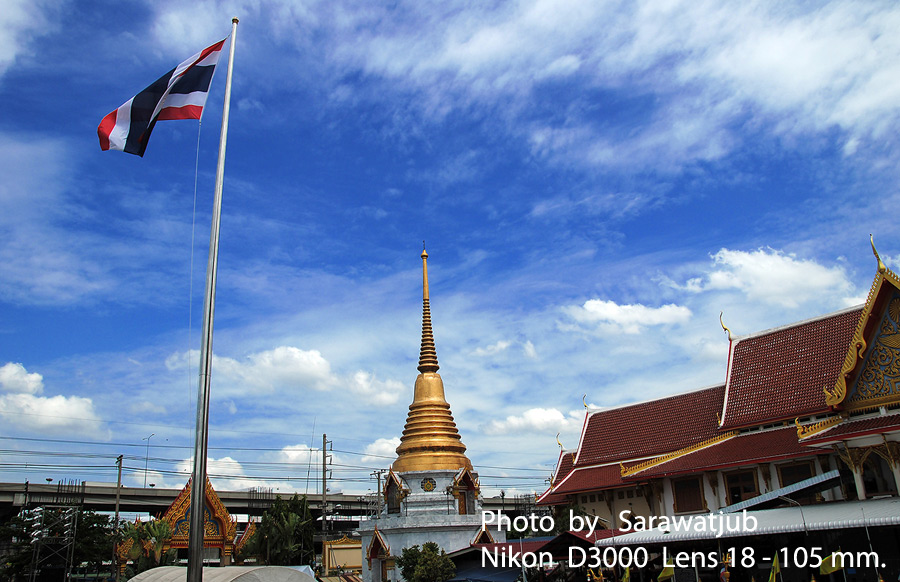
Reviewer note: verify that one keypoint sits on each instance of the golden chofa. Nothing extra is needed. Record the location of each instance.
(430, 440)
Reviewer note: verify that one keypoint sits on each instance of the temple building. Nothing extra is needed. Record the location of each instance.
(804, 435)
(219, 530)
(431, 493)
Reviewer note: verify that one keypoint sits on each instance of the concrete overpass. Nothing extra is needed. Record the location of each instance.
(344, 511)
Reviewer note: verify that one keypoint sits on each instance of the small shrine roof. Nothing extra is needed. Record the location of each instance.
(780, 374)
(856, 428)
(650, 428)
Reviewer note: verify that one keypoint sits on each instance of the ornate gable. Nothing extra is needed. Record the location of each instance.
(219, 528)
(870, 375)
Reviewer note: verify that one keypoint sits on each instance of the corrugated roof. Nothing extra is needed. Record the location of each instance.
(781, 374)
(650, 428)
(822, 516)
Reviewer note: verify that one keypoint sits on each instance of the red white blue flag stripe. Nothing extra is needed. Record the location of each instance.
(179, 94)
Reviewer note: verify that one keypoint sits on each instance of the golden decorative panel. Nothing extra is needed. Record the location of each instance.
(878, 383)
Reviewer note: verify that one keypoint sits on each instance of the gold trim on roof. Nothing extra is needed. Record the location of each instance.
(808, 430)
(836, 396)
(724, 327)
(635, 469)
(344, 541)
(385, 547)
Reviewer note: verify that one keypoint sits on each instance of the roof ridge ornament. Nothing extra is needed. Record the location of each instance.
(881, 267)
(724, 327)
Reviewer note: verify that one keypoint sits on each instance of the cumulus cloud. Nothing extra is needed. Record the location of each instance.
(772, 277)
(377, 392)
(21, 405)
(630, 319)
(15, 378)
(290, 367)
(535, 419)
(225, 473)
(382, 451)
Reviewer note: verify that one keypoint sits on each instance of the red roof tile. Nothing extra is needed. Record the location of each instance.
(855, 428)
(564, 465)
(589, 479)
(650, 428)
(745, 449)
(780, 374)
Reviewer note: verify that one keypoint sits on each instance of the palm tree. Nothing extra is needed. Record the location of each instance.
(159, 532)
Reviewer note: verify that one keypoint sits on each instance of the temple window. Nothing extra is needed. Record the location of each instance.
(741, 485)
(877, 477)
(688, 494)
(794, 473)
(393, 497)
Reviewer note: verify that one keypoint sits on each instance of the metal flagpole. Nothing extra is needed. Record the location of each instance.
(198, 485)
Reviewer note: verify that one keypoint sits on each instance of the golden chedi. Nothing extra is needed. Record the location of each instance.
(430, 440)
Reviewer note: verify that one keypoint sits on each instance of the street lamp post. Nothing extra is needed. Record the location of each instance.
(147, 457)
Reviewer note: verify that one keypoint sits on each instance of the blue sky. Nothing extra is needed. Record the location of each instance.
(595, 182)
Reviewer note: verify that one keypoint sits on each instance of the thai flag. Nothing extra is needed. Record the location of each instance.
(179, 94)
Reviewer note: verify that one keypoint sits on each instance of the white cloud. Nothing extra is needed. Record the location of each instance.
(264, 372)
(376, 392)
(50, 414)
(288, 367)
(225, 473)
(15, 378)
(492, 349)
(23, 20)
(382, 451)
(529, 350)
(535, 419)
(773, 277)
(22, 407)
(630, 319)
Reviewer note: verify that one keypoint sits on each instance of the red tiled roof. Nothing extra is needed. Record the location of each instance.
(855, 428)
(585, 479)
(564, 465)
(780, 375)
(745, 449)
(651, 428)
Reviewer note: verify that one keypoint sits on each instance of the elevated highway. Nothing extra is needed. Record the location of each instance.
(344, 511)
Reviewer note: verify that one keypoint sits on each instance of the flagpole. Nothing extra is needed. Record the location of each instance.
(198, 486)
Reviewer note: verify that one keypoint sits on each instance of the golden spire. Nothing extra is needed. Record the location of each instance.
(430, 440)
(427, 354)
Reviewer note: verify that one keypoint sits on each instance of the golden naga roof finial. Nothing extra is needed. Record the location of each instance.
(724, 327)
(561, 447)
(583, 397)
(881, 267)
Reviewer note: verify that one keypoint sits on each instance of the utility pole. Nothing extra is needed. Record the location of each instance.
(115, 560)
(377, 474)
(325, 458)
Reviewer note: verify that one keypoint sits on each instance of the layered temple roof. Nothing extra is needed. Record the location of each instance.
(789, 393)
(650, 428)
(430, 440)
(780, 374)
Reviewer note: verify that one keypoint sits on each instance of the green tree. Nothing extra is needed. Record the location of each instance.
(428, 564)
(159, 532)
(284, 536)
